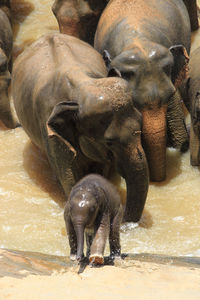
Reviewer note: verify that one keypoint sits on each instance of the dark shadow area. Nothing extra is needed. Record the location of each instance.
(37, 166)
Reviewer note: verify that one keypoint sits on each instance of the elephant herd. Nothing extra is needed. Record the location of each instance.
(102, 95)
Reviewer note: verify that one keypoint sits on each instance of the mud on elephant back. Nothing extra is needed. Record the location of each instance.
(149, 48)
(83, 120)
(6, 44)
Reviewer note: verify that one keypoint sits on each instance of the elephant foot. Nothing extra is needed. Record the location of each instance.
(96, 259)
(131, 218)
(184, 147)
(73, 257)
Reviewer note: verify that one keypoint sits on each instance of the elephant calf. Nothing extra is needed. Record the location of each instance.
(94, 207)
(83, 120)
(6, 43)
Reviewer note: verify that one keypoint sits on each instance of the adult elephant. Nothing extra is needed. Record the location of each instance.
(83, 121)
(79, 18)
(6, 44)
(146, 42)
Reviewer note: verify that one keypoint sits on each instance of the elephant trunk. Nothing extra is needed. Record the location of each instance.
(137, 183)
(79, 229)
(154, 139)
(194, 145)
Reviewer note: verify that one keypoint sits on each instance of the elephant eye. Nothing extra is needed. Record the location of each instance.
(3, 67)
(167, 69)
(127, 75)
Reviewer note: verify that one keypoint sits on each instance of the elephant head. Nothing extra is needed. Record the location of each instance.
(78, 18)
(104, 126)
(153, 73)
(83, 212)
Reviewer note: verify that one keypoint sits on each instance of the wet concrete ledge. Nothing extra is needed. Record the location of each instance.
(19, 264)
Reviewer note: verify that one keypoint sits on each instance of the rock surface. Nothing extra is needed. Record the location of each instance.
(34, 276)
(20, 264)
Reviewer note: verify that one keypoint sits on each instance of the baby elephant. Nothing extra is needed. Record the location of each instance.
(94, 207)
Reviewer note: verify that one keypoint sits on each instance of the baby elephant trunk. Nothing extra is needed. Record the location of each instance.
(79, 229)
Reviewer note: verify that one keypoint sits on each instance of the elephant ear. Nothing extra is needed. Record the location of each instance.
(180, 67)
(112, 71)
(62, 123)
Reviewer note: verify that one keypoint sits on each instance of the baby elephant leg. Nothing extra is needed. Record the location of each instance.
(99, 241)
(114, 237)
(89, 239)
(71, 234)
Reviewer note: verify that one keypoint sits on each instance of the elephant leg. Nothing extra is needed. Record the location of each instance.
(6, 115)
(99, 241)
(194, 146)
(176, 127)
(89, 239)
(71, 233)
(114, 237)
(192, 10)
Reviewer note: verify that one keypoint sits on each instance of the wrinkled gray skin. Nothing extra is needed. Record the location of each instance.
(146, 42)
(93, 207)
(6, 43)
(79, 18)
(191, 96)
(84, 121)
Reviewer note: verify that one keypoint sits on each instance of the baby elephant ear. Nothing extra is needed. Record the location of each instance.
(62, 121)
(180, 67)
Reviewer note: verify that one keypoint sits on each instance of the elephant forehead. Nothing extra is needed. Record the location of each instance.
(142, 54)
(83, 199)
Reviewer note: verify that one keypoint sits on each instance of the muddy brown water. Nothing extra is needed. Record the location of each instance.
(31, 213)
